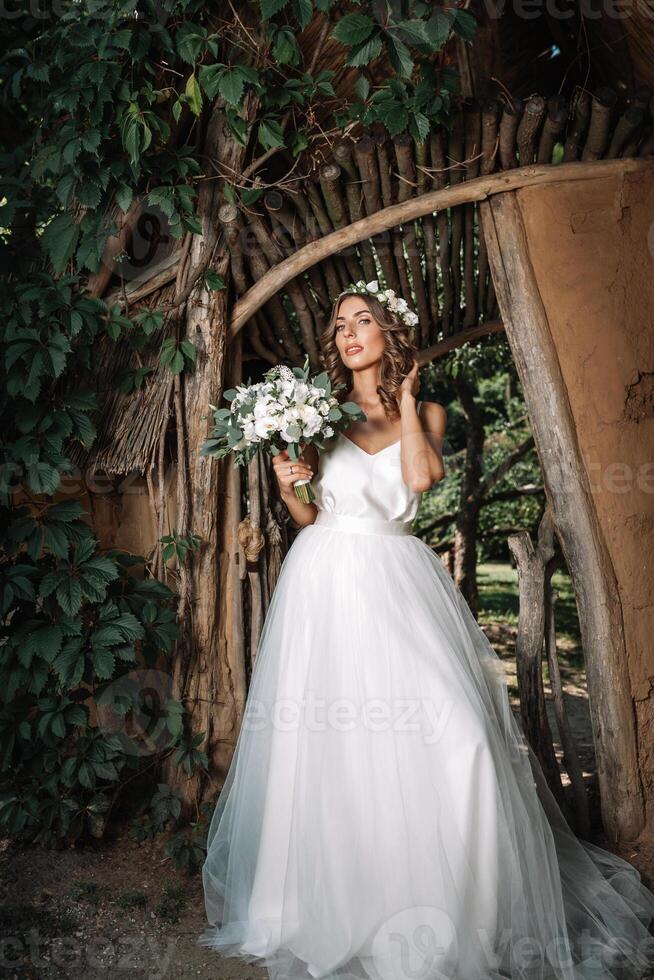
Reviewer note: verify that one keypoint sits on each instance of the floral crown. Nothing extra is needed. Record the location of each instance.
(387, 297)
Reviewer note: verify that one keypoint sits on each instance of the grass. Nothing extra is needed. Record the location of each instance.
(498, 602)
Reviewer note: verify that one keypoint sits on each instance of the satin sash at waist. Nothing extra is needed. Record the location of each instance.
(361, 525)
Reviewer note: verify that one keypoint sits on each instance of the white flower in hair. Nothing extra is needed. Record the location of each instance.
(387, 297)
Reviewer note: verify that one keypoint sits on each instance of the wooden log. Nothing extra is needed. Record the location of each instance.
(366, 158)
(257, 240)
(553, 128)
(576, 133)
(330, 181)
(404, 147)
(257, 336)
(354, 195)
(327, 268)
(296, 225)
(629, 123)
(570, 754)
(440, 177)
(528, 128)
(531, 561)
(571, 499)
(508, 131)
(472, 122)
(473, 190)
(429, 238)
(296, 288)
(335, 271)
(457, 173)
(604, 101)
(490, 120)
(312, 232)
(229, 218)
(389, 197)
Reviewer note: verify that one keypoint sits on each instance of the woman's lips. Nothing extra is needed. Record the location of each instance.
(353, 349)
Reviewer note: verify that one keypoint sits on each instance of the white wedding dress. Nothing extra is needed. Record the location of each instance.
(383, 817)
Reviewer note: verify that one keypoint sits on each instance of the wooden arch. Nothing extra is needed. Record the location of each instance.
(567, 485)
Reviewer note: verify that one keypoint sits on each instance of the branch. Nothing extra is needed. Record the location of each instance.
(478, 189)
(493, 478)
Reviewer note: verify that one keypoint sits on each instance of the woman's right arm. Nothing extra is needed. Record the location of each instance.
(304, 468)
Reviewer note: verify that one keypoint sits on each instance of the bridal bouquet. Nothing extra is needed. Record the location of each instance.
(287, 410)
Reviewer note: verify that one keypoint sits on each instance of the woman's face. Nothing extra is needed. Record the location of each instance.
(359, 338)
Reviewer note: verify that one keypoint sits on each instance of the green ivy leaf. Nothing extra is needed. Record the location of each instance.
(353, 29)
(271, 7)
(231, 85)
(59, 240)
(419, 126)
(438, 29)
(193, 93)
(270, 134)
(399, 56)
(213, 280)
(365, 53)
(303, 10)
(396, 119)
(69, 595)
(412, 31)
(464, 24)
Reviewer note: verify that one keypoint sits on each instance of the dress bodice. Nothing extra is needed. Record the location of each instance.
(353, 482)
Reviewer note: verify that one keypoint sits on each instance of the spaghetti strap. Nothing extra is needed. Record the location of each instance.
(419, 407)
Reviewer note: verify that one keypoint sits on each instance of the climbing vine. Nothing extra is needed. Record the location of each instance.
(105, 105)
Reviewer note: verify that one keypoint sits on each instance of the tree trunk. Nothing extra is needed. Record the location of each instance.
(570, 497)
(209, 672)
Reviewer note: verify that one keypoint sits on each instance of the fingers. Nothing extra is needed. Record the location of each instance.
(283, 466)
(282, 459)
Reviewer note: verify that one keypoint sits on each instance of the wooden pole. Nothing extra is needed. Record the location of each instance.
(366, 158)
(531, 561)
(570, 755)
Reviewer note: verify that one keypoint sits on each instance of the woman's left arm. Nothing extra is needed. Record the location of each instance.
(422, 437)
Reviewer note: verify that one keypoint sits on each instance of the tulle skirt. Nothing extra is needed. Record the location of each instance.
(383, 817)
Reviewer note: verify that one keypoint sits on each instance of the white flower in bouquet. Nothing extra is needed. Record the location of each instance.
(287, 410)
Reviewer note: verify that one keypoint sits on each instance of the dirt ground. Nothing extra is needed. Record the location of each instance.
(122, 909)
(111, 910)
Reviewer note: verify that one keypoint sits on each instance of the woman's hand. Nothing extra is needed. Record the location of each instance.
(410, 385)
(288, 471)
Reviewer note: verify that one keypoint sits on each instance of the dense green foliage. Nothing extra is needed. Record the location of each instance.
(104, 106)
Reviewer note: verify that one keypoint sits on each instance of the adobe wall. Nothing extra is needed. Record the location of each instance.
(591, 246)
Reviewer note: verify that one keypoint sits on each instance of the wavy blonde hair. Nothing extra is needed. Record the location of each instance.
(396, 362)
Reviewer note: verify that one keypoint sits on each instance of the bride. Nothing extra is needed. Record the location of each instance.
(383, 817)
